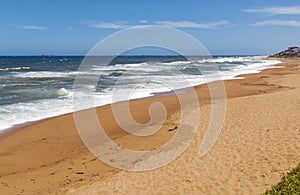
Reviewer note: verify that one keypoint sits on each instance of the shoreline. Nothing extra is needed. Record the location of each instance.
(31, 158)
(154, 95)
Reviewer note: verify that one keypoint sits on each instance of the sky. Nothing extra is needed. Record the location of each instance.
(65, 27)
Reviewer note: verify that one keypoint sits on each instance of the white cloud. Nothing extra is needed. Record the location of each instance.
(278, 23)
(119, 25)
(33, 27)
(143, 21)
(189, 24)
(174, 24)
(276, 10)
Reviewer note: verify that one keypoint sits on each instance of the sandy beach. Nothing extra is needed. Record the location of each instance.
(259, 143)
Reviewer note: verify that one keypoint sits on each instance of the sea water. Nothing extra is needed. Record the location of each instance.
(38, 87)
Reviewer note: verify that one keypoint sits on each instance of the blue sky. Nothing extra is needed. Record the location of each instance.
(57, 27)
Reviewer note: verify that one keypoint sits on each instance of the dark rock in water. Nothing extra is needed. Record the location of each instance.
(291, 52)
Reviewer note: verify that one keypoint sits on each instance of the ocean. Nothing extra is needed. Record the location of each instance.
(38, 87)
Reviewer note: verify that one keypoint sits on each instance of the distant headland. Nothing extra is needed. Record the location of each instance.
(291, 52)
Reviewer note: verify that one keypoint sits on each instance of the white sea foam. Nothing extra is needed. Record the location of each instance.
(19, 113)
(141, 80)
(177, 63)
(41, 74)
(62, 92)
(230, 59)
(48, 74)
(15, 68)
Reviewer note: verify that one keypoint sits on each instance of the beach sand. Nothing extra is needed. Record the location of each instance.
(259, 143)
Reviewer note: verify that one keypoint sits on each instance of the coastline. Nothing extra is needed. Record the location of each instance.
(17, 126)
(30, 157)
